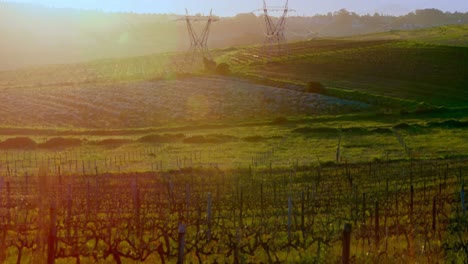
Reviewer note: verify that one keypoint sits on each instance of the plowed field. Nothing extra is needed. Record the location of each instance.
(146, 104)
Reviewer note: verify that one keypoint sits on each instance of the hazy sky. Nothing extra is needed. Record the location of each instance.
(232, 7)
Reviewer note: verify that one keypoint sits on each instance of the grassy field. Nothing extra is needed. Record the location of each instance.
(303, 141)
(419, 67)
(418, 72)
(452, 35)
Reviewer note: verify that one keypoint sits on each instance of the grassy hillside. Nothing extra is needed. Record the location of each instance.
(394, 64)
(149, 92)
(403, 69)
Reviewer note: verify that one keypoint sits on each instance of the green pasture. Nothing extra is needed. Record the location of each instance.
(295, 141)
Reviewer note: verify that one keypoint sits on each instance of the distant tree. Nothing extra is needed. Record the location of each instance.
(246, 16)
(342, 13)
(430, 17)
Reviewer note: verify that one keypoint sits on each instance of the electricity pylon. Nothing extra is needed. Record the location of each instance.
(275, 28)
(198, 40)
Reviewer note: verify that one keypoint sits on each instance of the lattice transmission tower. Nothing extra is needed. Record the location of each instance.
(275, 28)
(198, 39)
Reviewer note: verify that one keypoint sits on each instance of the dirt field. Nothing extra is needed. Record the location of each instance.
(147, 104)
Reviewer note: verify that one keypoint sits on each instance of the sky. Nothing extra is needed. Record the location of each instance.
(233, 7)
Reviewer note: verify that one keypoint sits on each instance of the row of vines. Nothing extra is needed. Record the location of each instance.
(405, 211)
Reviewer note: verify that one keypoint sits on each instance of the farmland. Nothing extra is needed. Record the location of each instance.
(271, 215)
(391, 68)
(115, 161)
(178, 100)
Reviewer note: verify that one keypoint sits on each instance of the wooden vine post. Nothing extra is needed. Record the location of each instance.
(346, 244)
(52, 236)
(136, 206)
(209, 213)
(8, 201)
(289, 218)
(462, 196)
(69, 212)
(434, 213)
(182, 231)
(411, 203)
(377, 225)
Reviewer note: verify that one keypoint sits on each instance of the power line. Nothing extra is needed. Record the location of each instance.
(198, 40)
(275, 29)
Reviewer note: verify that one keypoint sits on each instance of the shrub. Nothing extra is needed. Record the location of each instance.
(223, 69)
(328, 164)
(423, 108)
(376, 160)
(449, 124)
(315, 87)
(18, 143)
(381, 131)
(402, 126)
(210, 65)
(166, 138)
(60, 143)
(111, 142)
(404, 112)
(321, 130)
(281, 120)
(355, 130)
(213, 139)
(254, 139)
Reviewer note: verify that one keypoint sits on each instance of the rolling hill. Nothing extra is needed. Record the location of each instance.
(404, 74)
(33, 35)
(427, 65)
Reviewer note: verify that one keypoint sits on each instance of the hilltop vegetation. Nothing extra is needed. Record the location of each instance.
(451, 35)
